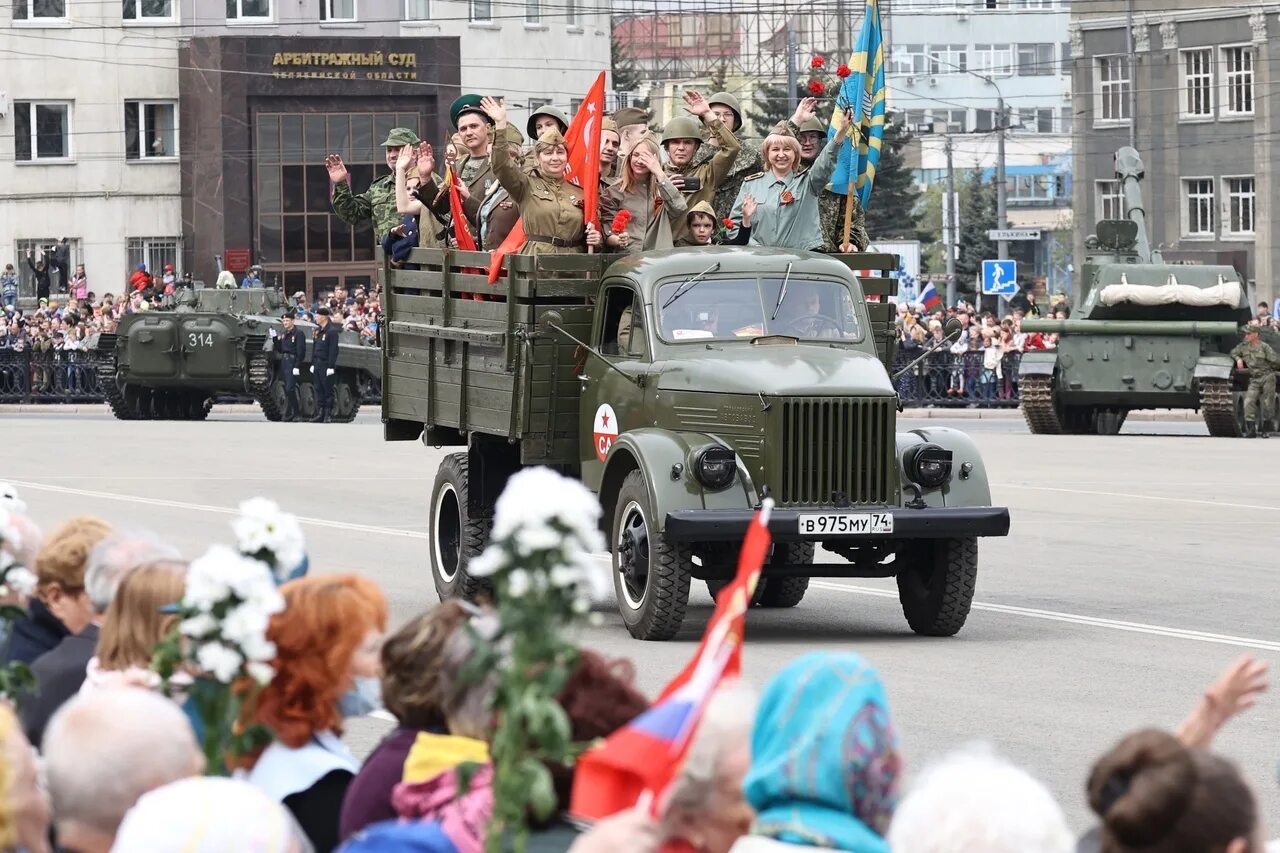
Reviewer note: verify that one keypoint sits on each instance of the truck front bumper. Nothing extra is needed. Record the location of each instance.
(728, 525)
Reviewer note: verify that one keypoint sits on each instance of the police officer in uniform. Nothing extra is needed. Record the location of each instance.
(1262, 362)
(324, 358)
(292, 346)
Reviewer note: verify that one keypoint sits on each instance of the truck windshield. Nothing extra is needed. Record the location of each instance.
(721, 309)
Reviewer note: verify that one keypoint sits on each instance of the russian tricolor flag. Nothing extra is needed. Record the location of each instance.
(929, 296)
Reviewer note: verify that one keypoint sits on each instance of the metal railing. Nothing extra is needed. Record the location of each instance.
(947, 379)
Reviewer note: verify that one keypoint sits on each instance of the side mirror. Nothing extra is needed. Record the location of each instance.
(548, 321)
(952, 328)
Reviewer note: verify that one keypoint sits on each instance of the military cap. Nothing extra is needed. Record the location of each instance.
(724, 99)
(548, 110)
(703, 207)
(609, 124)
(630, 115)
(551, 137)
(323, 311)
(291, 314)
(682, 127)
(781, 129)
(400, 137)
(1253, 329)
(467, 104)
(813, 125)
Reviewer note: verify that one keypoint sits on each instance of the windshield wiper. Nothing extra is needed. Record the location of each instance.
(782, 294)
(688, 285)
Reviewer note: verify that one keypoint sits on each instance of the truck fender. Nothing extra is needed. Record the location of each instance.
(1037, 363)
(656, 453)
(1214, 367)
(965, 488)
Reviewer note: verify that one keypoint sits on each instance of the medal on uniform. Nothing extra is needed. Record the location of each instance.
(787, 197)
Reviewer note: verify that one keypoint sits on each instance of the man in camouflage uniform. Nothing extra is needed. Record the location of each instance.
(378, 203)
(728, 110)
(1262, 362)
(813, 135)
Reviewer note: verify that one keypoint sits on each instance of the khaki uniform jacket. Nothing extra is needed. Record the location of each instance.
(653, 221)
(748, 162)
(474, 173)
(711, 173)
(550, 208)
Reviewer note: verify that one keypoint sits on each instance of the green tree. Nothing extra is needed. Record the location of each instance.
(977, 217)
(771, 105)
(933, 254)
(893, 211)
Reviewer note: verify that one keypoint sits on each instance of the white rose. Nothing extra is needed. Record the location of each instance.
(490, 562)
(198, 626)
(518, 582)
(219, 661)
(260, 672)
(20, 580)
(259, 649)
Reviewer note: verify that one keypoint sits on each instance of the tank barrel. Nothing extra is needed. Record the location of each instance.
(1129, 171)
(1178, 328)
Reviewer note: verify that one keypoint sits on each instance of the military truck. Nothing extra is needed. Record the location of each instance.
(171, 364)
(1143, 334)
(682, 387)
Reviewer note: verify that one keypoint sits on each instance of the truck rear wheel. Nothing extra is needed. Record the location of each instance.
(456, 537)
(650, 574)
(936, 583)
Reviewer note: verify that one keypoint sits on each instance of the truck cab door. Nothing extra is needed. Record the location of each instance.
(611, 402)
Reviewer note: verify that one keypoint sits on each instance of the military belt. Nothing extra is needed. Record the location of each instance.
(554, 241)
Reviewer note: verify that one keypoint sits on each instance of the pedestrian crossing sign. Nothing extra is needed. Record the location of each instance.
(999, 278)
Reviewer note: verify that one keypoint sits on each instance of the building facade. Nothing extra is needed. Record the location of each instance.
(1194, 99)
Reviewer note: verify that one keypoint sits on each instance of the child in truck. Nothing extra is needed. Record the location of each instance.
(703, 230)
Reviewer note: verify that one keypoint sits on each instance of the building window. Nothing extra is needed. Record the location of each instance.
(574, 105)
(40, 10)
(1110, 201)
(1238, 216)
(148, 10)
(913, 119)
(417, 10)
(533, 11)
(1237, 81)
(1065, 53)
(1036, 119)
(150, 129)
(156, 253)
(1035, 60)
(482, 10)
(948, 58)
(248, 10)
(40, 249)
(1197, 207)
(1030, 187)
(1065, 121)
(984, 120)
(337, 10)
(41, 131)
(957, 120)
(993, 58)
(1112, 92)
(907, 59)
(1035, 4)
(1197, 83)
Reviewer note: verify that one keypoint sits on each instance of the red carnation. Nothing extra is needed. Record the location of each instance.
(728, 223)
(816, 87)
(843, 71)
(817, 62)
(620, 221)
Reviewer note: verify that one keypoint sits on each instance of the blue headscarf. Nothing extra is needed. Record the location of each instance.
(824, 756)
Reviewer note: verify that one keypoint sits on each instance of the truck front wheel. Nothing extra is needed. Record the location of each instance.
(456, 537)
(935, 584)
(650, 574)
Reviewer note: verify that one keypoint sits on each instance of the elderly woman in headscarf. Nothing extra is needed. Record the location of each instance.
(652, 208)
(551, 207)
(825, 763)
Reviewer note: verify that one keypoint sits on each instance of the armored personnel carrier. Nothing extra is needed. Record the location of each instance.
(171, 364)
(1144, 334)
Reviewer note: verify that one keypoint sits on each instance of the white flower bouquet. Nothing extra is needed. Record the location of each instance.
(17, 584)
(267, 533)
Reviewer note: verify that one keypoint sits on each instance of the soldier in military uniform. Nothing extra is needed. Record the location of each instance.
(292, 346)
(748, 162)
(498, 212)
(681, 139)
(378, 203)
(812, 134)
(324, 360)
(610, 142)
(546, 118)
(632, 123)
(474, 168)
(1262, 362)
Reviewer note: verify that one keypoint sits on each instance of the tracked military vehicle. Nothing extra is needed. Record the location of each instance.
(682, 387)
(1144, 334)
(171, 364)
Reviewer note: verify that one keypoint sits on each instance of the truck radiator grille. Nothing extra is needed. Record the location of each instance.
(836, 447)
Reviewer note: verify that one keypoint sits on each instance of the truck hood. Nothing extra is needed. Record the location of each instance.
(782, 370)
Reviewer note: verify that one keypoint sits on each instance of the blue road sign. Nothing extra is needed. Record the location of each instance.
(999, 278)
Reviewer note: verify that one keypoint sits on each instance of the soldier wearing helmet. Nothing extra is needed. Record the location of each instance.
(812, 134)
(682, 139)
(748, 162)
(546, 118)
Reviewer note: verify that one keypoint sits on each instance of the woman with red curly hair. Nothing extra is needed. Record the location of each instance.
(328, 640)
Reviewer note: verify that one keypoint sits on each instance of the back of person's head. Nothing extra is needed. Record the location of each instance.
(1154, 794)
(463, 699)
(64, 553)
(115, 556)
(326, 618)
(973, 801)
(411, 662)
(24, 810)
(207, 814)
(135, 622)
(105, 749)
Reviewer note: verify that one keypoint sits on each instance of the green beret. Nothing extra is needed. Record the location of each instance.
(467, 104)
(401, 136)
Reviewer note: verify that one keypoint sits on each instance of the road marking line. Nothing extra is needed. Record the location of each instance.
(314, 522)
(1198, 502)
(1076, 619)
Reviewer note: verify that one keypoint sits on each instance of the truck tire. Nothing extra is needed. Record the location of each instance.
(936, 583)
(650, 574)
(789, 591)
(456, 537)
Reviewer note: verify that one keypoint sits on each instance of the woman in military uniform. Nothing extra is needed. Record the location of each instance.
(726, 108)
(655, 205)
(812, 133)
(498, 213)
(786, 192)
(551, 207)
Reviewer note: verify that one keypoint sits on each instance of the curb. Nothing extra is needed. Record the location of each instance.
(1009, 414)
(101, 408)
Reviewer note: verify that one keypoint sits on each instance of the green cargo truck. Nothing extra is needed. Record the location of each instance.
(682, 387)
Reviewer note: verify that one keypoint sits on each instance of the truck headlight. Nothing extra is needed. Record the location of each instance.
(928, 464)
(715, 467)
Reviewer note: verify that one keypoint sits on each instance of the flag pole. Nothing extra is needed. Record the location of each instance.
(848, 198)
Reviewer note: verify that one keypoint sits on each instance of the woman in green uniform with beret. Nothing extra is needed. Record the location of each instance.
(550, 206)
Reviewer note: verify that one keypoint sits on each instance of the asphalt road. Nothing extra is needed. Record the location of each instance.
(1138, 566)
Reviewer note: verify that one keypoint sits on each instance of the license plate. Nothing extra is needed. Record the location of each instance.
(846, 523)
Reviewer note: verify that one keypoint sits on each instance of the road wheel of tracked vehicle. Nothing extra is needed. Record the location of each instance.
(171, 405)
(1109, 421)
(139, 402)
(306, 401)
(456, 537)
(936, 583)
(198, 405)
(274, 401)
(650, 574)
(112, 391)
(1222, 408)
(346, 398)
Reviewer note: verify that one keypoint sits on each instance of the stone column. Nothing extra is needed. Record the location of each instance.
(1265, 244)
(1081, 180)
(1164, 177)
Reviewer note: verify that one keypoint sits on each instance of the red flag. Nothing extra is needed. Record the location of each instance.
(461, 228)
(639, 761)
(582, 142)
